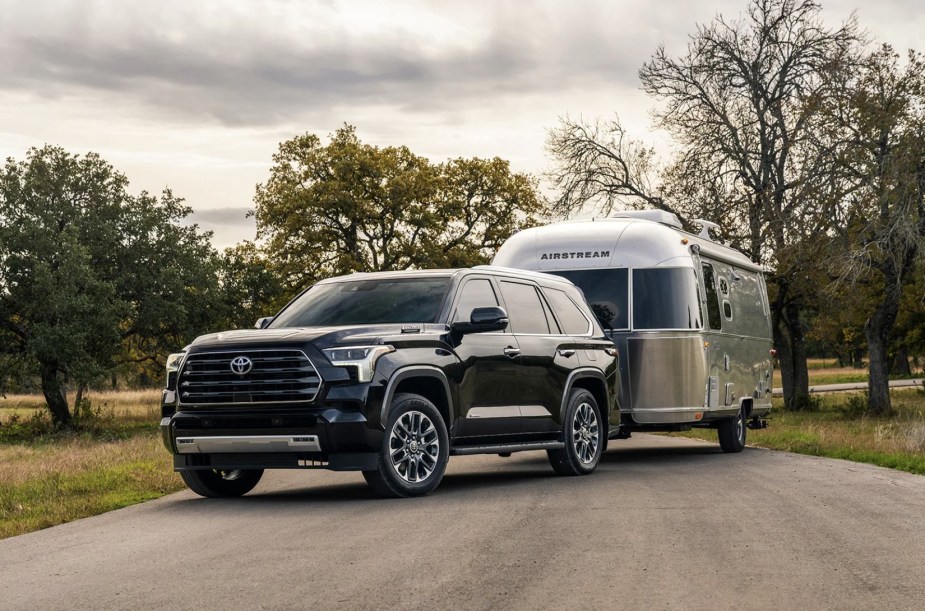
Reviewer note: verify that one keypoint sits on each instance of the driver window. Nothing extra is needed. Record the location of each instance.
(477, 293)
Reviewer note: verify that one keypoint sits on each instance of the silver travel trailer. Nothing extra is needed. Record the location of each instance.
(689, 317)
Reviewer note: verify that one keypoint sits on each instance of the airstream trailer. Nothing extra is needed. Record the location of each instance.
(688, 315)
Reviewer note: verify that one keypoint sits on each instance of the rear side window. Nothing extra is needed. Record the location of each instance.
(666, 298)
(525, 310)
(476, 293)
(570, 316)
(606, 291)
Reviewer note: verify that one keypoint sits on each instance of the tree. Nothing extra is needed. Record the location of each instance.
(882, 121)
(739, 103)
(598, 163)
(250, 286)
(348, 207)
(91, 275)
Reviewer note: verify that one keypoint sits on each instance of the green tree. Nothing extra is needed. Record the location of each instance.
(90, 275)
(347, 206)
(881, 150)
(251, 288)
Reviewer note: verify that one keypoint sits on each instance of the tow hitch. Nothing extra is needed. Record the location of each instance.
(757, 423)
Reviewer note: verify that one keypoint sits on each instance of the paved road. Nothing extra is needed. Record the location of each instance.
(663, 523)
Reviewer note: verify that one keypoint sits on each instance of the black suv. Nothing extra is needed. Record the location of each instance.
(391, 373)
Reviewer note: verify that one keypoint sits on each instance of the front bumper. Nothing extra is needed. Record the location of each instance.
(267, 438)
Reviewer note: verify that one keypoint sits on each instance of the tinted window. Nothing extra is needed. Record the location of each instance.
(709, 283)
(572, 320)
(665, 299)
(606, 291)
(402, 300)
(476, 293)
(524, 308)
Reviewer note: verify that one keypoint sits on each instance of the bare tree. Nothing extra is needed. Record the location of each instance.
(740, 102)
(598, 165)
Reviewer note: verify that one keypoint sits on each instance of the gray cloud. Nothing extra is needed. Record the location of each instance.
(234, 217)
(241, 71)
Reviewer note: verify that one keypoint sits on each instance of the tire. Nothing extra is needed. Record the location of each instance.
(414, 452)
(584, 436)
(222, 483)
(731, 432)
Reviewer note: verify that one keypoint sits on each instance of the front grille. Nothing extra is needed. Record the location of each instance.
(276, 376)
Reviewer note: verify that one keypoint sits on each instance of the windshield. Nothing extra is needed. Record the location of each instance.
(366, 302)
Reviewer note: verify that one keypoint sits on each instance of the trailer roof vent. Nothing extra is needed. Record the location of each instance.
(658, 216)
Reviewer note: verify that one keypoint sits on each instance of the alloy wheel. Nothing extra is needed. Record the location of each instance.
(585, 433)
(414, 447)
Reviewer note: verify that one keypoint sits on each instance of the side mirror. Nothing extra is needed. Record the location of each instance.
(263, 323)
(481, 320)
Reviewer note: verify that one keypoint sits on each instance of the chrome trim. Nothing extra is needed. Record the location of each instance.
(239, 403)
(500, 411)
(534, 411)
(245, 444)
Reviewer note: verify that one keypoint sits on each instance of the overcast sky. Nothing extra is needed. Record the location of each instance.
(197, 95)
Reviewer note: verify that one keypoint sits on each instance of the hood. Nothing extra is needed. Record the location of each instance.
(321, 337)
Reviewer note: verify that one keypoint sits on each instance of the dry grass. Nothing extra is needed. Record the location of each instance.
(49, 478)
(838, 429)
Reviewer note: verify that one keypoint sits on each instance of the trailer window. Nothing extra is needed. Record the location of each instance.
(709, 283)
(666, 298)
(606, 291)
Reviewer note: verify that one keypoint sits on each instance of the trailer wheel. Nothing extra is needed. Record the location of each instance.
(732, 432)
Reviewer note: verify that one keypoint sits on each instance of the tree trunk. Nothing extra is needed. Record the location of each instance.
(790, 344)
(78, 400)
(877, 329)
(55, 397)
(900, 365)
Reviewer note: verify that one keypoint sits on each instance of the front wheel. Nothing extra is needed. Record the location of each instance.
(584, 441)
(731, 432)
(222, 483)
(414, 452)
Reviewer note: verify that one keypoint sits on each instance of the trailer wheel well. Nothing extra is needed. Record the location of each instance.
(747, 405)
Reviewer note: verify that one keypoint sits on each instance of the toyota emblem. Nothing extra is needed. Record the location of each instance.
(241, 365)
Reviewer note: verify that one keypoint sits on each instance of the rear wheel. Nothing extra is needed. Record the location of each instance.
(584, 436)
(222, 482)
(731, 432)
(414, 452)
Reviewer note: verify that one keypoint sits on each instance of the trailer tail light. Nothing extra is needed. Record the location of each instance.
(773, 352)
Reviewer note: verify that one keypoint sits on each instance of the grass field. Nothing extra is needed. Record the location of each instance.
(116, 460)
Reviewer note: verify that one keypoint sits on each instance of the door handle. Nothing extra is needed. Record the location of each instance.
(511, 351)
(566, 352)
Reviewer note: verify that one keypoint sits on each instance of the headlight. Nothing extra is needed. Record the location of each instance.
(362, 357)
(174, 360)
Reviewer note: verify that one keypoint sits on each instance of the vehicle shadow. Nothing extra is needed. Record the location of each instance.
(529, 471)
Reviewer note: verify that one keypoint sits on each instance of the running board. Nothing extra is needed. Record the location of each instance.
(501, 448)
